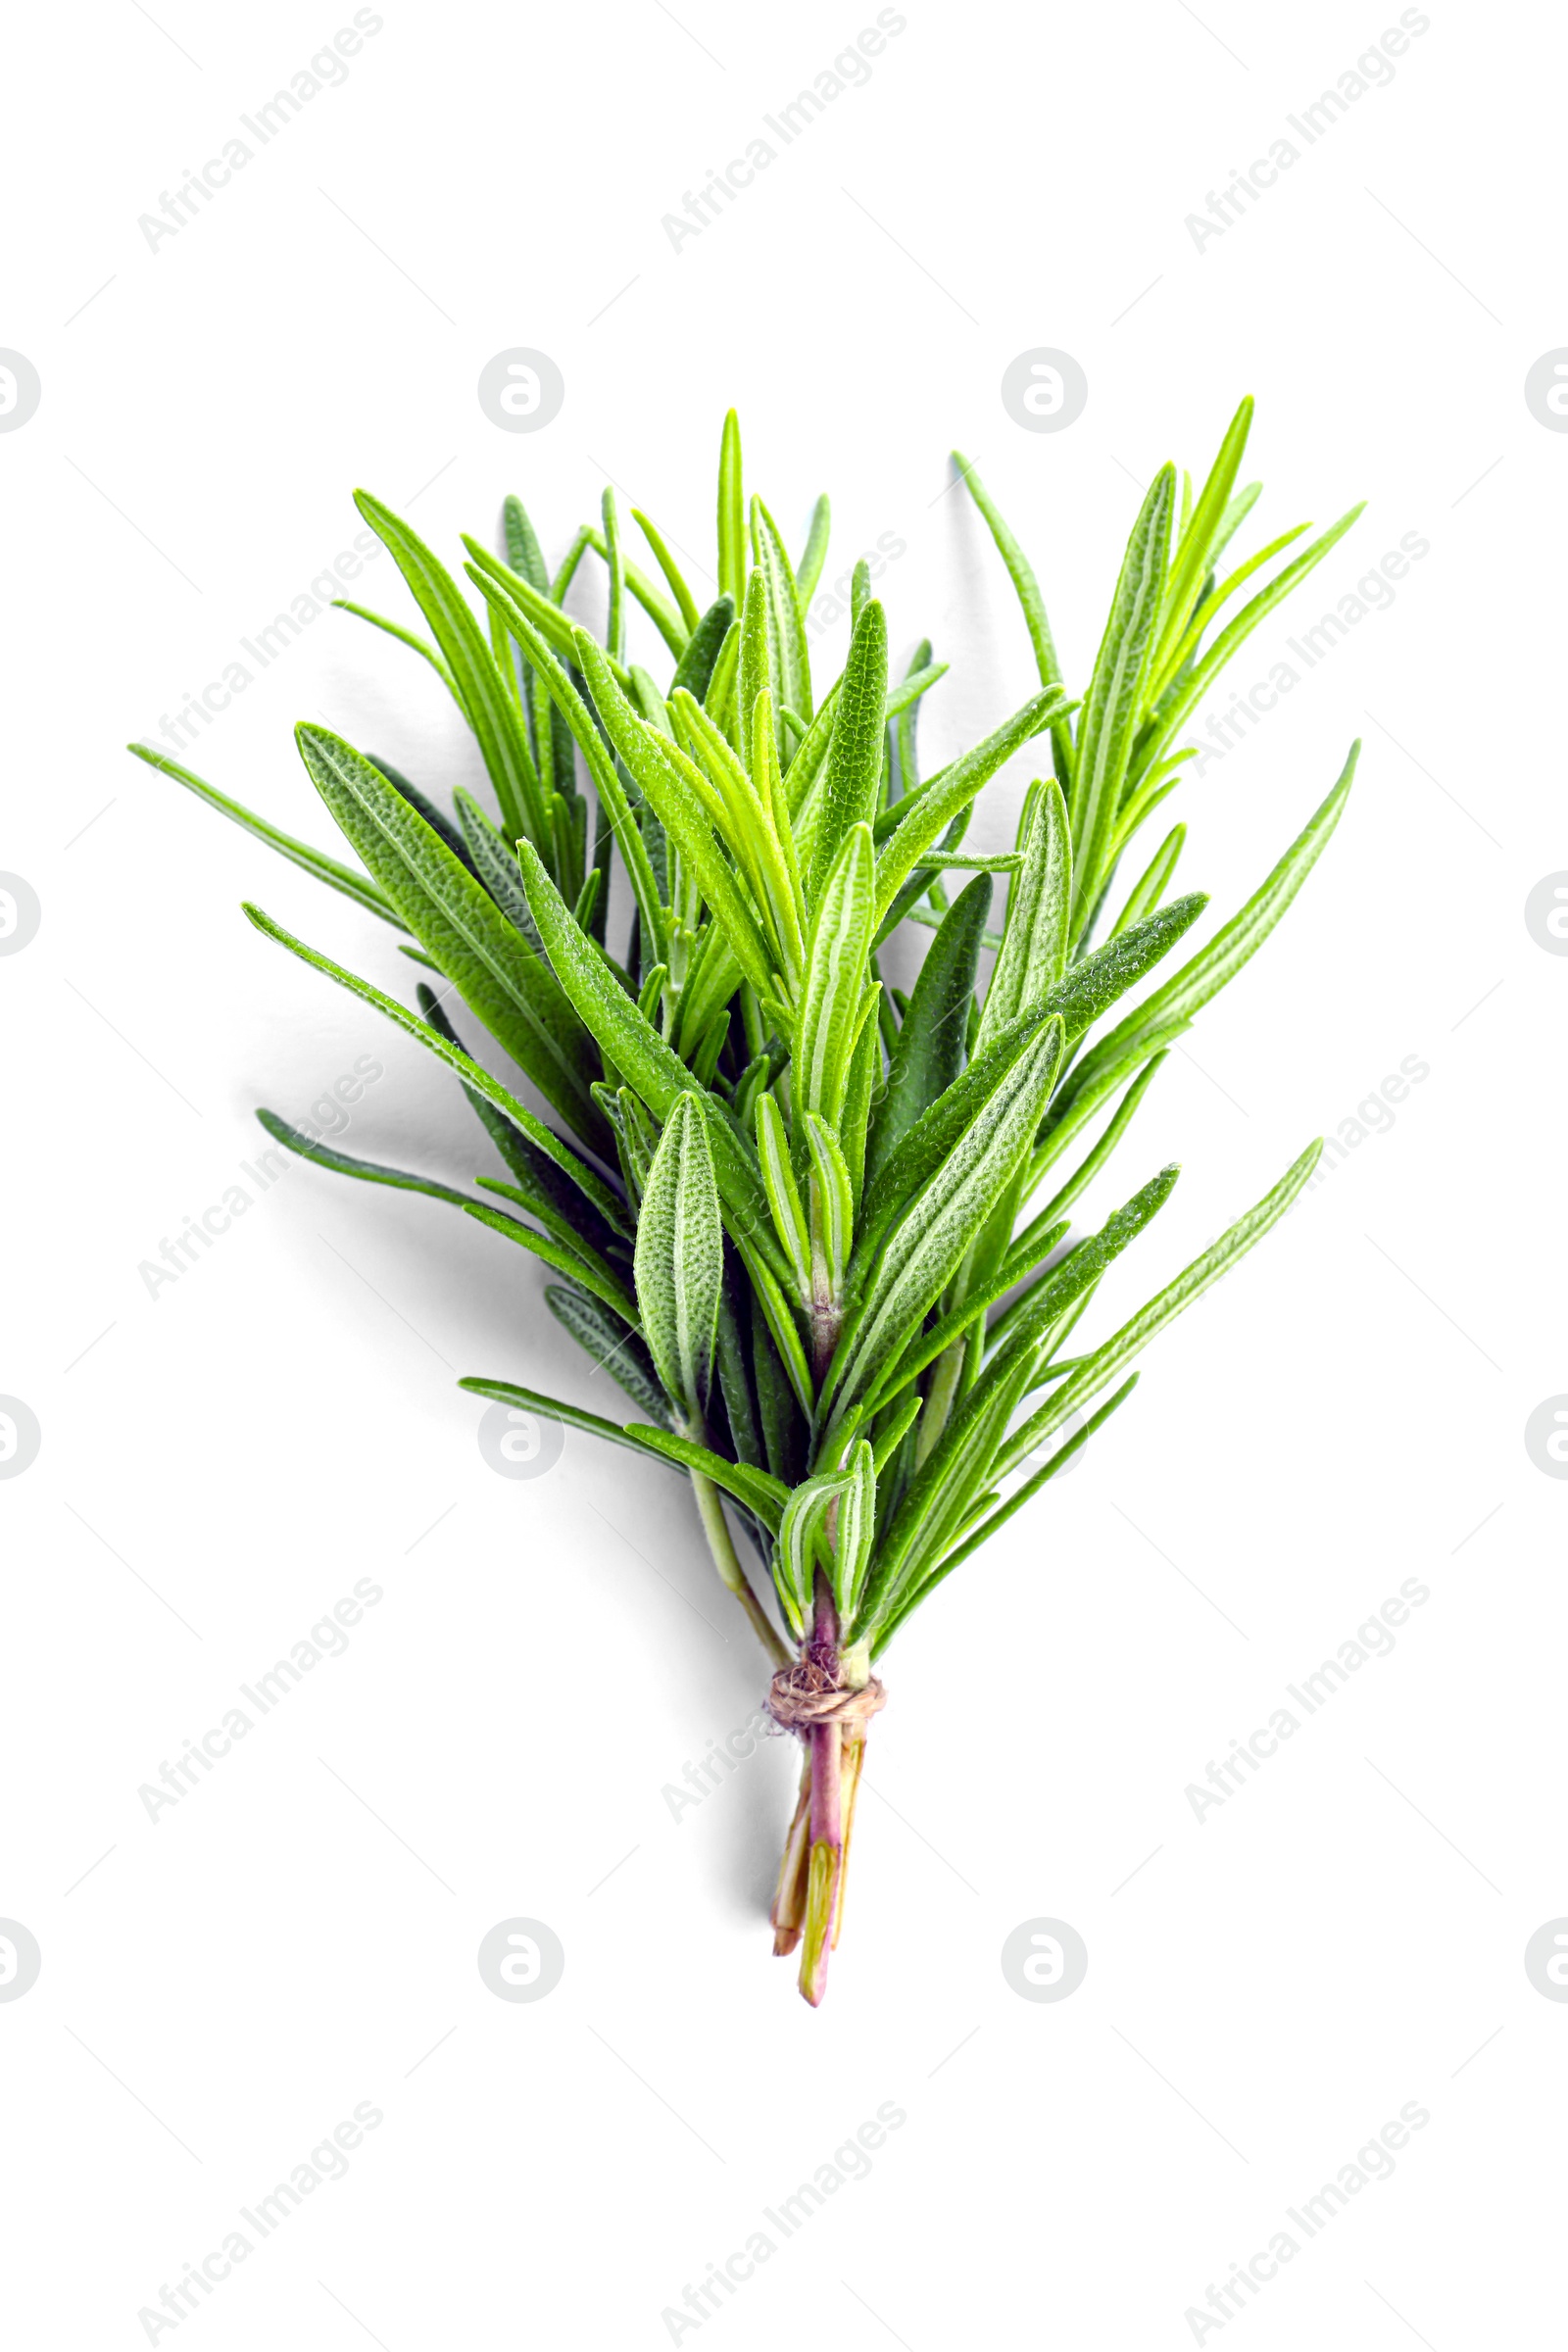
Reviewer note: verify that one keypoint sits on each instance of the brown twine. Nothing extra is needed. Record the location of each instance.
(802, 1694)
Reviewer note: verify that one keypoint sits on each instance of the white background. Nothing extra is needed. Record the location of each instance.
(219, 1463)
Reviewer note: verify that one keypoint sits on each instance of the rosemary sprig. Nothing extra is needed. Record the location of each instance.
(797, 1215)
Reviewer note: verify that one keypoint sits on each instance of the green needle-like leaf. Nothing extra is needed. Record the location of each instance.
(831, 1216)
(614, 806)
(866, 1073)
(600, 1279)
(494, 863)
(1020, 573)
(1114, 703)
(849, 1497)
(758, 1489)
(1075, 1105)
(914, 1159)
(671, 569)
(1149, 888)
(508, 986)
(680, 1259)
(543, 612)
(1034, 939)
(792, 654)
(924, 816)
(928, 1345)
(491, 711)
(813, 555)
(654, 762)
(1115, 1128)
(472, 1072)
(570, 1416)
(354, 886)
(1083, 1268)
(408, 637)
(930, 1049)
(927, 1241)
(833, 998)
(1100, 1369)
(1089, 987)
(369, 1171)
(1175, 710)
(943, 1494)
(636, 1049)
(733, 1365)
(616, 561)
(1174, 662)
(1195, 552)
(436, 819)
(615, 1349)
(1212, 967)
(848, 795)
(593, 1268)
(524, 552)
(758, 670)
(1032, 604)
(912, 690)
(695, 668)
(731, 515)
(555, 1200)
(1015, 1502)
(783, 1194)
(657, 606)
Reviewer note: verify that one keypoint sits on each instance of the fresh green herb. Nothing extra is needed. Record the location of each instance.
(795, 1214)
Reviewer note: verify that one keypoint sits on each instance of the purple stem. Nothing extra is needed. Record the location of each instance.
(827, 1742)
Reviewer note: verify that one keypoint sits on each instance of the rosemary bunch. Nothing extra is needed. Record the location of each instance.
(817, 1230)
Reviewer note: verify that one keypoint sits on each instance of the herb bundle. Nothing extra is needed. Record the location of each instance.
(816, 1229)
